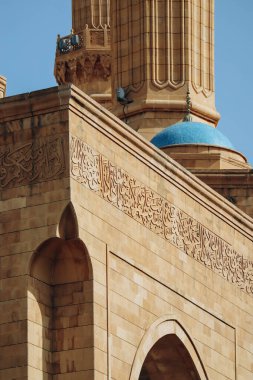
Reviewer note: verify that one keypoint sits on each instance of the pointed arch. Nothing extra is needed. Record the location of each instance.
(68, 226)
(60, 303)
(57, 261)
(167, 331)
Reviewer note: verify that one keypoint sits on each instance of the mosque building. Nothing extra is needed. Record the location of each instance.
(126, 215)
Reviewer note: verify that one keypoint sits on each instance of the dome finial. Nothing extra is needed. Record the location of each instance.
(188, 106)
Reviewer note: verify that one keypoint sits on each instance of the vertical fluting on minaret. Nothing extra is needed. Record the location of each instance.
(160, 50)
(94, 13)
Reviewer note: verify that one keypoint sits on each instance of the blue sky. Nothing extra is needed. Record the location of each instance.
(28, 37)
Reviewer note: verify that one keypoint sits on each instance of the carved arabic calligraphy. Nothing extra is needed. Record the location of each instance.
(117, 187)
(33, 162)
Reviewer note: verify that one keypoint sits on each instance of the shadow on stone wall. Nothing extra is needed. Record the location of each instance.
(60, 305)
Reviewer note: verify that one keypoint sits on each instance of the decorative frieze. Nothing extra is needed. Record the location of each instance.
(127, 194)
(37, 161)
(84, 68)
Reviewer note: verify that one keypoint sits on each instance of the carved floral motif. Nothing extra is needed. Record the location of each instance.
(33, 162)
(117, 187)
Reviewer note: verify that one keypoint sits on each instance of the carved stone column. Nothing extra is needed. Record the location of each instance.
(84, 57)
(2, 86)
(160, 49)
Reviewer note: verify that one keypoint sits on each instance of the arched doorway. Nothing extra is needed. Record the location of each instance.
(168, 359)
(166, 352)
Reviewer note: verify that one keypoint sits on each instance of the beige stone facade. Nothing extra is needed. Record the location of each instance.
(117, 261)
(235, 185)
(109, 246)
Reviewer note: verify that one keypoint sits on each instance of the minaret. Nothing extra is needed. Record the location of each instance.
(84, 56)
(2, 86)
(94, 13)
(161, 49)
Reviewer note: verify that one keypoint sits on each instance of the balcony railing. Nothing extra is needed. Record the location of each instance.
(98, 38)
(69, 43)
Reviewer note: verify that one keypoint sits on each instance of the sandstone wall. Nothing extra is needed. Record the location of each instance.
(161, 252)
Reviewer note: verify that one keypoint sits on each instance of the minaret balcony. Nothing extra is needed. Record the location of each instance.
(84, 59)
(89, 39)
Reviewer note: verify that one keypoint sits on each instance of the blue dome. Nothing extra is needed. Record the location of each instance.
(189, 132)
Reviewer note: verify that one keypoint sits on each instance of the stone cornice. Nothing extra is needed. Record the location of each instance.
(69, 97)
(169, 169)
(34, 103)
(171, 105)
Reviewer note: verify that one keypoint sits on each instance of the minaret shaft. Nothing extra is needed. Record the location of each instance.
(160, 49)
(94, 13)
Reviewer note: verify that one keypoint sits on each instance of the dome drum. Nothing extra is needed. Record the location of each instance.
(199, 146)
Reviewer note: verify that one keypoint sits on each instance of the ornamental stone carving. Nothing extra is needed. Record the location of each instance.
(127, 194)
(33, 162)
(84, 69)
(84, 56)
